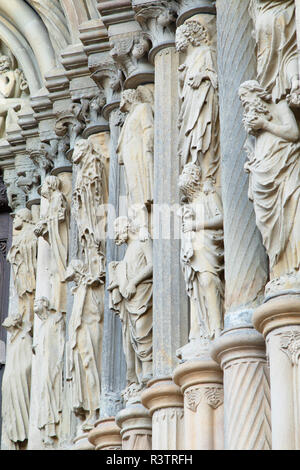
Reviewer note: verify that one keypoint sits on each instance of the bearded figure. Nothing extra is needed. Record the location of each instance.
(202, 252)
(274, 184)
(199, 110)
(130, 288)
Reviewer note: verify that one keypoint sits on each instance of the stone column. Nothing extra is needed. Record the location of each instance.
(106, 435)
(240, 350)
(136, 427)
(114, 367)
(200, 378)
(170, 319)
(201, 383)
(279, 321)
(165, 403)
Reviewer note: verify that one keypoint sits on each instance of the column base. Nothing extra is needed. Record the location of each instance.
(136, 427)
(165, 403)
(106, 435)
(201, 382)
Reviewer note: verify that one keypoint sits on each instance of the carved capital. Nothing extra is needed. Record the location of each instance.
(15, 195)
(157, 19)
(189, 8)
(3, 197)
(290, 345)
(214, 397)
(108, 78)
(28, 181)
(42, 157)
(130, 51)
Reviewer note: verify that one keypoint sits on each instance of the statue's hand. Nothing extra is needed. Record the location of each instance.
(130, 290)
(257, 123)
(195, 81)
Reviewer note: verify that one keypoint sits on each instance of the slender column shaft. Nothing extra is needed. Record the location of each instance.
(240, 352)
(113, 361)
(170, 323)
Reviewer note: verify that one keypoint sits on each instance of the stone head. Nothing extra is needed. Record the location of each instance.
(41, 308)
(50, 185)
(191, 33)
(81, 148)
(190, 178)
(21, 216)
(5, 63)
(121, 227)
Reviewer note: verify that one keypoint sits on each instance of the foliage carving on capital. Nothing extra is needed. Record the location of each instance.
(157, 19)
(214, 397)
(129, 50)
(290, 345)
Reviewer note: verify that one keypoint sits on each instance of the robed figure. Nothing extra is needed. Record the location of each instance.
(130, 287)
(199, 103)
(274, 183)
(136, 144)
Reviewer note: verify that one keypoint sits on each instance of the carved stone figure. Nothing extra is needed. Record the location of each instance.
(51, 353)
(54, 228)
(89, 196)
(13, 88)
(274, 184)
(199, 124)
(12, 82)
(130, 287)
(276, 40)
(202, 252)
(136, 142)
(22, 257)
(85, 342)
(17, 381)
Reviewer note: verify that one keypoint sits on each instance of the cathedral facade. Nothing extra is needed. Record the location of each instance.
(149, 191)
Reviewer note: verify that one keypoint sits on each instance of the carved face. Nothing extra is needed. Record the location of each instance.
(5, 63)
(121, 230)
(190, 177)
(41, 308)
(127, 99)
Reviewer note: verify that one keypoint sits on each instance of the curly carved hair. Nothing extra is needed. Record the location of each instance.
(194, 32)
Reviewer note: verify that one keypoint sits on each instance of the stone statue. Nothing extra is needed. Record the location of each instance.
(202, 252)
(13, 89)
(17, 381)
(130, 287)
(54, 228)
(51, 353)
(136, 143)
(85, 343)
(199, 112)
(274, 184)
(276, 40)
(22, 257)
(12, 82)
(89, 196)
